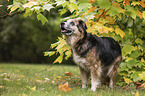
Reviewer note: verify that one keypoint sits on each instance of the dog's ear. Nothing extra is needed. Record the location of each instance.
(82, 25)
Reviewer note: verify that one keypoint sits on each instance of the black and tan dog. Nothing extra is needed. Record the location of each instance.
(99, 57)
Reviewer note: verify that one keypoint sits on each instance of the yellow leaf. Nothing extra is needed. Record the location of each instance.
(23, 94)
(91, 9)
(110, 19)
(13, 8)
(142, 60)
(59, 59)
(34, 88)
(64, 87)
(22, 76)
(38, 77)
(120, 32)
(127, 80)
(58, 77)
(72, 0)
(137, 93)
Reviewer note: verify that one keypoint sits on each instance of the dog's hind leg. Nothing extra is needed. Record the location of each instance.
(85, 75)
(113, 70)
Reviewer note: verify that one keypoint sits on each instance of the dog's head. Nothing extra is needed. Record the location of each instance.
(75, 27)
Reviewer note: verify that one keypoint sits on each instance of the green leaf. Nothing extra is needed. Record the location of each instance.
(68, 54)
(104, 4)
(131, 63)
(13, 8)
(61, 44)
(139, 64)
(55, 44)
(42, 18)
(83, 1)
(72, 7)
(130, 11)
(139, 41)
(47, 7)
(84, 6)
(114, 11)
(135, 76)
(50, 53)
(30, 4)
(127, 49)
(143, 14)
(120, 32)
(28, 12)
(142, 75)
(134, 3)
(59, 59)
(123, 67)
(135, 54)
(119, 0)
(130, 22)
(63, 11)
(60, 2)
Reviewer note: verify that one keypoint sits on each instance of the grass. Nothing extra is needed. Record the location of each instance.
(21, 79)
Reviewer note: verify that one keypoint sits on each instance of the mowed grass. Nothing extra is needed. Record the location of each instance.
(43, 80)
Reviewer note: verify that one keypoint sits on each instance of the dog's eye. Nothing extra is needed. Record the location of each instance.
(72, 23)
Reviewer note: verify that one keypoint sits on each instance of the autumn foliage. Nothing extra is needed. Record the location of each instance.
(124, 20)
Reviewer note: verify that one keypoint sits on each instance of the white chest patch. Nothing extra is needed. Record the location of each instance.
(80, 61)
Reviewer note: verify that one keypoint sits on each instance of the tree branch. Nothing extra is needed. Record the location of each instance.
(11, 14)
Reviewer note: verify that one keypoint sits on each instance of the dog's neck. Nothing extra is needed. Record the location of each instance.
(71, 40)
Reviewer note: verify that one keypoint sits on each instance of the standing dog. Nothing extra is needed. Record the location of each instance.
(99, 57)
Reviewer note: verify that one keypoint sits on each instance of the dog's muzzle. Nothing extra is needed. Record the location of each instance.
(64, 30)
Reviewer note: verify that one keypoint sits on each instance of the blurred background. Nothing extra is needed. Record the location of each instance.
(23, 40)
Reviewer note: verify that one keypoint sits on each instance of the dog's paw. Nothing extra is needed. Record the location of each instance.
(93, 89)
(84, 86)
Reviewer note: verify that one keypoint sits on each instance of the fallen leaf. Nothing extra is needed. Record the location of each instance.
(6, 79)
(33, 88)
(64, 87)
(137, 93)
(23, 94)
(53, 82)
(47, 79)
(68, 73)
(38, 77)
(1, 86)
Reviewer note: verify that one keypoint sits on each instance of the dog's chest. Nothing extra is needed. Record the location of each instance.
(80, 61)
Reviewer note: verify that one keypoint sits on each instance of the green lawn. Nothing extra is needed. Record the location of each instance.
(21, 79)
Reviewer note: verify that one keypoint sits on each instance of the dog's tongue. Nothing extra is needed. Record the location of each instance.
(63, 30)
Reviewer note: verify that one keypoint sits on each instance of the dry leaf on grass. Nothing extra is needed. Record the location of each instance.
(64, 87)
(68, 73)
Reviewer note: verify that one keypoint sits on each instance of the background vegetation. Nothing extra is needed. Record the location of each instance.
(25, 39)
(124, 20)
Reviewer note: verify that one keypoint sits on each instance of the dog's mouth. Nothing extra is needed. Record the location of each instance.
(65, 31)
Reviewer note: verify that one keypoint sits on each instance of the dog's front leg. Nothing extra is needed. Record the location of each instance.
(85, 76)
(95, 78)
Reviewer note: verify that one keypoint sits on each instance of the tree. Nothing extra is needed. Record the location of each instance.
(124, 20)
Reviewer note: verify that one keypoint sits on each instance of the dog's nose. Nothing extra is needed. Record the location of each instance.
(62, 23)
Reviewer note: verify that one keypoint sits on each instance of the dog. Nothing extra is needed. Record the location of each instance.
(98, 57)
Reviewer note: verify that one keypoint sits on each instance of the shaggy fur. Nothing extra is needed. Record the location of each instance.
(99, 57)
